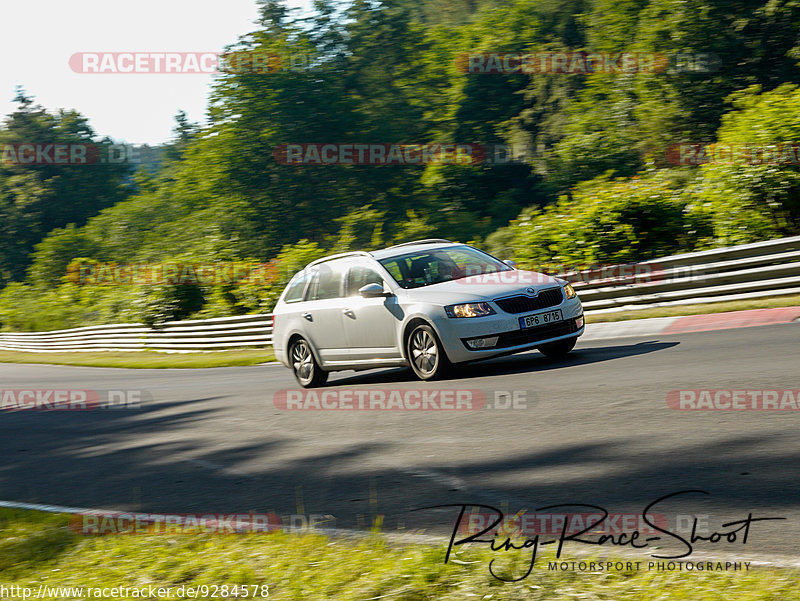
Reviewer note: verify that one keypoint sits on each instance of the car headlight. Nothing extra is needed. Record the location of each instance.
(469, 310)
(569, 292)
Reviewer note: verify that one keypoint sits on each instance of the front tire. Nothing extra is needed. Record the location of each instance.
(559, 349)
(426, 355)
(306, 370)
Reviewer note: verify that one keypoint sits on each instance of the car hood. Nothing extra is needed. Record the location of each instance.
(483, 287)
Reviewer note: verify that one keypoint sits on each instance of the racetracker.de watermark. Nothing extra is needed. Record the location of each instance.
(734, 399)
(524, 523)
(54, 399)
(257, 62)
(583, 63)
(702, 153)
(587, 274)
(378, 154)
(152, 274)
(105, 523)
(401, 399)
(390, 153)
(550, 523)
(36, 153)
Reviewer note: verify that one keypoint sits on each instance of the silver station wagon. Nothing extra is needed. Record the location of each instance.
(427, 304)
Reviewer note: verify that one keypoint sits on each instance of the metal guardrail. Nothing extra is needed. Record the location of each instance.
(175, 336)
(770, 268)
(747, 271)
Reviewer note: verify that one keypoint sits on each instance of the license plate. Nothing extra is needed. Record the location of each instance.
(540, 319)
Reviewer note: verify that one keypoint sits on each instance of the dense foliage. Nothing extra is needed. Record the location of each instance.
(591, 180)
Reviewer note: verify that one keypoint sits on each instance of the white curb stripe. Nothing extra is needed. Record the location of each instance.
(628, 328)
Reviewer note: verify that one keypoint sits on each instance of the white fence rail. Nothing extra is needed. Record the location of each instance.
(748, 271)
(176, 336)
(770, 268)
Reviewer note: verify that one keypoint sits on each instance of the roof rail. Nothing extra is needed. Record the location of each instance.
(425, 241)
(354, 253)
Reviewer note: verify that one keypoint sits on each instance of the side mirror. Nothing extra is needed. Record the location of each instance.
(373, 291)
(510, 263)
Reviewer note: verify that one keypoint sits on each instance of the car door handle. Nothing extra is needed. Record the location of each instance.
(307, 316)
(349, 313)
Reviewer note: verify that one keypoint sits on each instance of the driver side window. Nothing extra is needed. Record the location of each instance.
(361, 275)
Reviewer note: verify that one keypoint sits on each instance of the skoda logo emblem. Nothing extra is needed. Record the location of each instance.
(530, 291)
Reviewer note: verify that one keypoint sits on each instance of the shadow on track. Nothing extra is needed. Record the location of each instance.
(511, 364)
(191, 456)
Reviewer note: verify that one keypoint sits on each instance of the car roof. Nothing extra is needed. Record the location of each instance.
(391, 251)
(404, 249)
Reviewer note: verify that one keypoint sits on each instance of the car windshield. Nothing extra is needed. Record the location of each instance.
(424, 268)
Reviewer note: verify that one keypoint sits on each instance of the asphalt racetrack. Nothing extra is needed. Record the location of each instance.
(594, 428)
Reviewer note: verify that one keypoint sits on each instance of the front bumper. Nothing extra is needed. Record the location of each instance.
(539, 334)
(454, 333)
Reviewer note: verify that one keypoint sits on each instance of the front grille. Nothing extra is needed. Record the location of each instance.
(523, 304)
(530, 335)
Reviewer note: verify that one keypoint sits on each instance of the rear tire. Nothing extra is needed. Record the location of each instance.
(306, 370)
(426, 355)
(559, 349)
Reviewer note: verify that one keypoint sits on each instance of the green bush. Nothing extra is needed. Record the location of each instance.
(610, 221)
(756, 197)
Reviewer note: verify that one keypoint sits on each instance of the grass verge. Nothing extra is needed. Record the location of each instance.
(143, 359)
(699, 309)
(38, 549)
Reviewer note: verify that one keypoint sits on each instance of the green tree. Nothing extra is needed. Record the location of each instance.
(37, 198)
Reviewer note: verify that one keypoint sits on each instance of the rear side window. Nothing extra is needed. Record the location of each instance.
(294, 291)
(326, 282)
